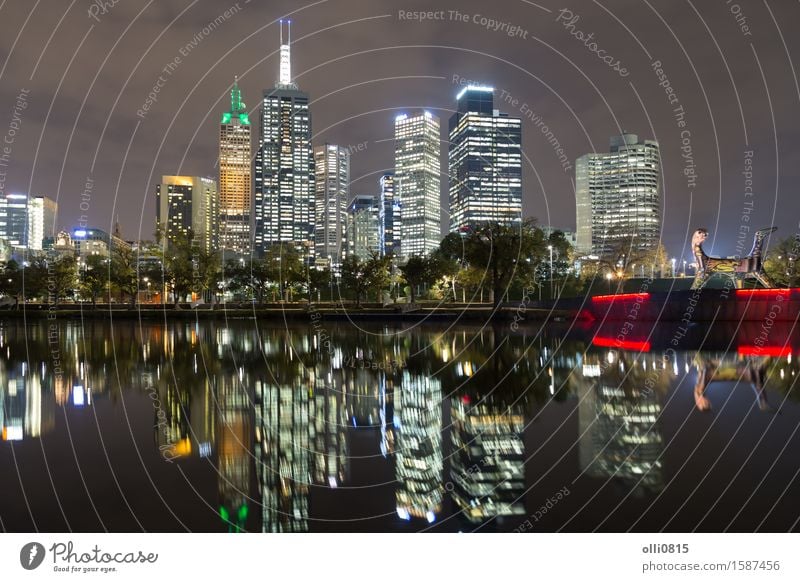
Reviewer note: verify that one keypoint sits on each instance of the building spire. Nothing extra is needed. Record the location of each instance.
(285, 77)
(238, 107)
(236, 97)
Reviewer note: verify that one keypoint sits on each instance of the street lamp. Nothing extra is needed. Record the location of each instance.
(609, 276)
(684, 267)
(550, 248)
(672, 260)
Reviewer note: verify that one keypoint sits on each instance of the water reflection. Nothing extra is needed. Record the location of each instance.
(446, 419)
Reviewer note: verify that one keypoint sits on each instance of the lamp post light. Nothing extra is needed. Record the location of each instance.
(672, 260)
(550, 248)
(684, 267)
(609, 276)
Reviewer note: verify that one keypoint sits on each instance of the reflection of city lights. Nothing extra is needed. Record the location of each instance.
(591, 370)
(78, 398)
(608, 342)
(12, 433)
(204, 449)
(774, 351)
(402, 513)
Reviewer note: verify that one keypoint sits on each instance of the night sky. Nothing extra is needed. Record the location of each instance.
(85, 71)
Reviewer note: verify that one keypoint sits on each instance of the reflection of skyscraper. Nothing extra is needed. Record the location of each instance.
(488, 463)
(418, 448)
(619, 435)
(282, 431)
(26, 409)
(234, 176)
(329, 436)
(233, 452)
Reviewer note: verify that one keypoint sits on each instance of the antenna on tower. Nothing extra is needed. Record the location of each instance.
(285, 77)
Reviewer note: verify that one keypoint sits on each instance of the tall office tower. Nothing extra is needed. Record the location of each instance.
(188, 204)
(485, 157)
(25, 221)
(332, 187)
(418, 449)
(14, 219)
(389, 216)
(363, 227)
(284, 166)
(234, 177)
(618, 196)
(417, 182)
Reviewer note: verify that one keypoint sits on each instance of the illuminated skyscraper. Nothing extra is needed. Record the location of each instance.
(188, 204)
(25, 221)
(417, 182)
(389, 216)
(332, 187)
(234, 176)
(284, 165)
(618, 196)
(363, 227)
(485, 156)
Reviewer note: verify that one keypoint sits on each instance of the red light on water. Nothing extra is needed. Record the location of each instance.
(761, 292)
(600, 298)
(611, 342)
(766, 351)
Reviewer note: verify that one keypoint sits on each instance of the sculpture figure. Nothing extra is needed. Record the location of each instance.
(736, 268)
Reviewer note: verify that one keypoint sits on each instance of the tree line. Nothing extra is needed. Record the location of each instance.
(489, 263)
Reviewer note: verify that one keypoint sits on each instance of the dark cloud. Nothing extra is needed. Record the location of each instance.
(362, 63)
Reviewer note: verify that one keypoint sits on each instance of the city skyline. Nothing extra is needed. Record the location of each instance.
(350, 114)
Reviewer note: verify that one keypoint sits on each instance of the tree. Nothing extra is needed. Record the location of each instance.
(61, 278)
(95, 277)
(781, 262)
(505, 253)
(11, 281)
(282, 265)
(318, 280)
(623, 253)
(416, 272)
(124, 276)
(354, 277)
(377, 272)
